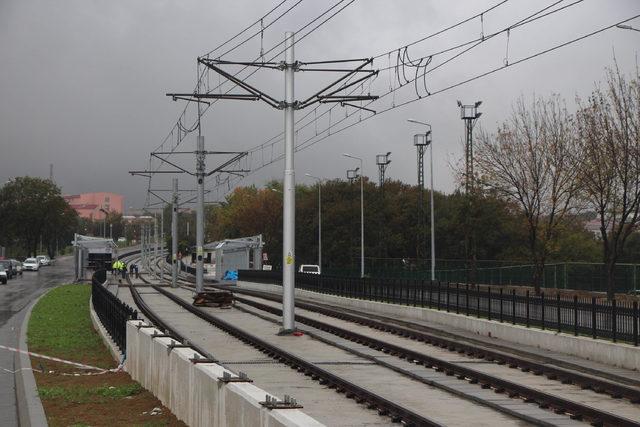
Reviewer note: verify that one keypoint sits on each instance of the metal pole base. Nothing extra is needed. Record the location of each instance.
(284, 332)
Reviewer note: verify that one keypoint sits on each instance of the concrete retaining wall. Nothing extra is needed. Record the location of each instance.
(615, 354)
(193, 392)
(95, 320)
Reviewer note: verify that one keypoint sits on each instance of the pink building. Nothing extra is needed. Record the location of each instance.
(88, 205)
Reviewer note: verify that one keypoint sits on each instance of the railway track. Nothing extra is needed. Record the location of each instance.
(558, 404)
(373, 401)
(542, 367)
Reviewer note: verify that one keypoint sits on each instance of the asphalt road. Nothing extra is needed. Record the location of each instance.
(15, 296)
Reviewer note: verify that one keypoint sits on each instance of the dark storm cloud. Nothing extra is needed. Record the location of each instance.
(83, 82)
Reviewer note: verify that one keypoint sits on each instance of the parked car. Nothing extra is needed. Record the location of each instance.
(309, 269)
(31, 264)
(8, 267)
(17, 265)
(43, 260)
(3, 276)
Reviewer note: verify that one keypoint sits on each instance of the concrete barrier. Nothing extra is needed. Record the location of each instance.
(194, 392)
(607, 352)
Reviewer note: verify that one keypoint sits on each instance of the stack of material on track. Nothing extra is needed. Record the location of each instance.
(213, 299)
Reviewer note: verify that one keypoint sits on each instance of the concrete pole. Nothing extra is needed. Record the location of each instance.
(162, 262)
(289, 196)
(174, 236)
(433, 239)
(155, 243)
(361, 219)
(320, 225)
(200, 159)
(149, 248)
(75, 255)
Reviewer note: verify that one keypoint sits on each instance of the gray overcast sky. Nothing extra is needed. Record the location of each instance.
(83, 82)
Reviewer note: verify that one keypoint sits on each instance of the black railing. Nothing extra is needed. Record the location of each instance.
(614, 320)
(112, 312)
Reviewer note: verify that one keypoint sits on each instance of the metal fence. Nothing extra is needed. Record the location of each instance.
(614, 320)
(566, 275)
(112, 312)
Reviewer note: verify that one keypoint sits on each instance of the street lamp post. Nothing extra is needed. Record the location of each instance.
(433, 242)
(104, 223)
(361, 212)
(319, 219)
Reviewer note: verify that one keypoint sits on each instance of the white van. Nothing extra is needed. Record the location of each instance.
(309, 269)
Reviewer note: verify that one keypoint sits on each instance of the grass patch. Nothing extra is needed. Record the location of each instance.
(94, 394)
(60, 326)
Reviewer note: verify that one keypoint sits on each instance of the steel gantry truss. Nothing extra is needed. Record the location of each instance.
(329, 94)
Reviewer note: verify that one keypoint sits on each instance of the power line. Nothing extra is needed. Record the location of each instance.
(314, 139)
(528, 19)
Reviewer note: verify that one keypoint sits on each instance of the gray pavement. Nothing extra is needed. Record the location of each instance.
(15, 296)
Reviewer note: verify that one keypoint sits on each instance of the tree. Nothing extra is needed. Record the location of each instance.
(609, 135)
(532, 161)
(33, 211)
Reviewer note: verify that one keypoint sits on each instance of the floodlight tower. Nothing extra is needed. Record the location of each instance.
(382, 160)
(421, 142)
(352, 174)
(470, 114)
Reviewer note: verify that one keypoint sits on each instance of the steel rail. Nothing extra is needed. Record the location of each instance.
(559, 405)
(384, 406)
(565, 376)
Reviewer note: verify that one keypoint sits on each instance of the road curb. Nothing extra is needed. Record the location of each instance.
(30, 410)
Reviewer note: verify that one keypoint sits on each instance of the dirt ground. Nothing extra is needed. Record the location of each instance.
(96, 400)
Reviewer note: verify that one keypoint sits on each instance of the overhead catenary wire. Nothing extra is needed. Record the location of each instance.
(324, 134)
(521, 22)
(178, 126)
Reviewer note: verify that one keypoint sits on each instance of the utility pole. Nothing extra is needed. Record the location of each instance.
(162, 244)
(329, 94)
(51, 172)
(470, 115)
(174, 235)
(289, 191)
(200, 159)
(155, 243)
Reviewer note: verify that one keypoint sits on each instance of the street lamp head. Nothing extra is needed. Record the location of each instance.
(418, 122)
(351, 156)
